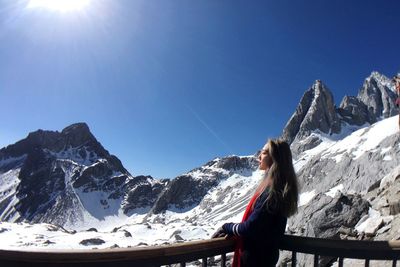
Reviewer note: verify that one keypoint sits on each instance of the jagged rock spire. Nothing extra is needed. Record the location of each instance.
(378, 95)
(375, 100)
(316, 111)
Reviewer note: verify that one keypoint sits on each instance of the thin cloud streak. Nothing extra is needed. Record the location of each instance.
(209, 129)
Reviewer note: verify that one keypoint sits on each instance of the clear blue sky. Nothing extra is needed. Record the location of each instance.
(168, 85)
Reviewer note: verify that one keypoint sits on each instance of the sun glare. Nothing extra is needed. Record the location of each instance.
(59, 5)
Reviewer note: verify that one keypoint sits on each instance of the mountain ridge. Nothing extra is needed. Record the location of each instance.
(335, 167)
(317, 111)
(55, 172)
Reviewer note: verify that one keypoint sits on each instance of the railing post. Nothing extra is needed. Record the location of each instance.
(394, 263)
(293, 258)
(366, 262)
(204, 262)
(182, 264)
(223, 260)
(315, 260)
(340, 262)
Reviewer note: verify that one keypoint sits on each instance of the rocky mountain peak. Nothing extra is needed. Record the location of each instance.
(377, 93)
(78, 134)
(80, 128)
(57, 176)
(375, 100)
(379, 78)
(74, 136)
(315, 112)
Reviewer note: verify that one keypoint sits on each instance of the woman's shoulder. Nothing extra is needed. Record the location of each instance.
(262, 199)
(268, 205)
(265, 193)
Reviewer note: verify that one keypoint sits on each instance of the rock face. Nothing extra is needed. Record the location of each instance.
(377, 94)
(316, 111)
(60, 177)
(183, 192)
(355, 112)
(357, 174)
(326, 217)
(142, 194)
(375, 100)
(186, 191)
(341, 211)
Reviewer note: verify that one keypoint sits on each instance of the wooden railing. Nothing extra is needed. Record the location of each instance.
(120, 257)
(352, 249)
(191, 251)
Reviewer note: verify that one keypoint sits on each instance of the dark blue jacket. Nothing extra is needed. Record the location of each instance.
(261, 233)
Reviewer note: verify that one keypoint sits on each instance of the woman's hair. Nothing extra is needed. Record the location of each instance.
(283, 191)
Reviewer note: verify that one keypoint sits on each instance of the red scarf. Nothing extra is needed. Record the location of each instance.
(239, 240)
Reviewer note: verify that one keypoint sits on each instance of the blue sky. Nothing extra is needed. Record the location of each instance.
(169, 85)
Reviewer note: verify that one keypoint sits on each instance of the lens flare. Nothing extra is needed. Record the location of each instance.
(59, 5)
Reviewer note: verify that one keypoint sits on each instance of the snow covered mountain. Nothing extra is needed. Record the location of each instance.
(68, 178)
(346, 160)
(214, 192)
(317, 113)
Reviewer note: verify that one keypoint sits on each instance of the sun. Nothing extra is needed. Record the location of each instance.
(59, 5)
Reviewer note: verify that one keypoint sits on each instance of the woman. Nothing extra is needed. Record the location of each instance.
(264, 220)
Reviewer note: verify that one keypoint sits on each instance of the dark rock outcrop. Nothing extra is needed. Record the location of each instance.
(233, 163)
(341, 211)
(378, 97)
(315, 112)
(183, 192)
(186, 191)
(355, 112)
(142, 194)
(92, 242)
(127, 233)
(325, 217)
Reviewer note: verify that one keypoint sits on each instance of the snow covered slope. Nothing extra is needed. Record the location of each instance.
(357, 161)
(225, 202)
(68, 179)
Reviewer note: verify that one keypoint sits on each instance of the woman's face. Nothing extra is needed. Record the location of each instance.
(264, 158)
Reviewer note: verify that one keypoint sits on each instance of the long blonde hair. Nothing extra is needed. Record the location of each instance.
(283, 185)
